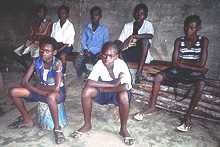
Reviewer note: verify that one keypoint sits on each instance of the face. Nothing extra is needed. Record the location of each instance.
(63, 14)
(46, 52)
(140, 15)
(95, 16)
(41, 14)
(109, 55)
(191, 29)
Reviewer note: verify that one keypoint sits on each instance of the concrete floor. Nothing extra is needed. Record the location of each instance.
(156, 130)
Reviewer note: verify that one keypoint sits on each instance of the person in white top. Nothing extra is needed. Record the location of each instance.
(63, 31)
(136, 38)
(109, 82)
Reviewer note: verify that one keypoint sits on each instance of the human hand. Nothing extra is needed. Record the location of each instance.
(121, 75)
(86, 53)
(127, 42)
(101, 89)
(204, 70)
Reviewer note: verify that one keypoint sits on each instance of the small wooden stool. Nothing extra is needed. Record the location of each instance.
(44, 118)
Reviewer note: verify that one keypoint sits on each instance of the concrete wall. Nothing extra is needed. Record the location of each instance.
(167, 17)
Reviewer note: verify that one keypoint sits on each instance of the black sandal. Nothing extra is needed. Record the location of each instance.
(59, 136)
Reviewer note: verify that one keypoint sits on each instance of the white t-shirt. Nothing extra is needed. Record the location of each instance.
(65, 34)
(146, 28)
(99, 70)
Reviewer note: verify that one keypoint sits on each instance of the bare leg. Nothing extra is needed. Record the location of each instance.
(123, 100)
(144, 50)
(51, 99)
(21, 60)
(15, 94)
(199, 86)
(87, 94)
(63, 59)
(156, 87)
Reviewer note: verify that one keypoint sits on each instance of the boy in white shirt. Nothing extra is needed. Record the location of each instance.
(136, 38)
(63, 31)
(109, 82)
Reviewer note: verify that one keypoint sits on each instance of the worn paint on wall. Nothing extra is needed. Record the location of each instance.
(167, 17)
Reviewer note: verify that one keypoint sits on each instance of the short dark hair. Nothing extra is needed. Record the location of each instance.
(141, 6)
(41, 6)
(193, 18)
(110, 44)
(49, 40)
(64, 7)
(96, 8)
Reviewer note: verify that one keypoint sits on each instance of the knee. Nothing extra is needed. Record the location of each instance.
(145, 42)
(158, 78)
(200, 85)
(62, 56)
(12, 92)
(50, 98)
(88, 92)
(123, 97)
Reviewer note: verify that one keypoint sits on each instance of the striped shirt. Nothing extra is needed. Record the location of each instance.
(193, 53)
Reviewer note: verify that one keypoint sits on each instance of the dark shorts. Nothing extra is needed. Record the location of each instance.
(34, 97)
(66, 50)
(108, 97)
(181, 75)
(132, 54)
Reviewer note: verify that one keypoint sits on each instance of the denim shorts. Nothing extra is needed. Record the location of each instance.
(34, 97)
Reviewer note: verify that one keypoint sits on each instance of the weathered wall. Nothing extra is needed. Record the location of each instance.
(167, 17)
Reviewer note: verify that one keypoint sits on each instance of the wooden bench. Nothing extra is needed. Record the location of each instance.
(152, 68)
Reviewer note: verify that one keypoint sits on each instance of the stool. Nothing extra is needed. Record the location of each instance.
(44, 118)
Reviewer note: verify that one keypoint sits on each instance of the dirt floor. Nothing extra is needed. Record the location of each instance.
(156, 130)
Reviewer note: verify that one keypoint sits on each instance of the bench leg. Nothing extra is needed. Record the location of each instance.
(2, 86)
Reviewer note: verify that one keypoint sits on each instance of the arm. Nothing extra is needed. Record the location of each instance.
(58, 78)
(64, 46)
(27, 85)
(139, 36)
(194, 65)
(97, 84)
(38, 36)
(123, 87)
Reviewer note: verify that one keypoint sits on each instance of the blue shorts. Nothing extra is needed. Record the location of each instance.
(34, 97)
(108, 97)
(67, 50)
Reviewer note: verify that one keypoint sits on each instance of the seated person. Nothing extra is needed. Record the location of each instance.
(40, 28)
(189, 58)
(63, 31)
(50, 90)
(95, 34)
(109, 82)
(136, 38)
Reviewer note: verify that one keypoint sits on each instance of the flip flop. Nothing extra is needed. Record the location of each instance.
(77, 134)
(183, 128)
(139, 116)
(59, 138)
(15, 125)
(128, 140)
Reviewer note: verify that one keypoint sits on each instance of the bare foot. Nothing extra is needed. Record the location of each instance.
(22, 124)
(188, 122)
(148, 111)
(83, 129)
(128, 140)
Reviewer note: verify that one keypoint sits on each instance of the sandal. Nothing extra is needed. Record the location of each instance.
(183, 128)
(59, 136)
(128, 140)
(77, 134)
(139, 116)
